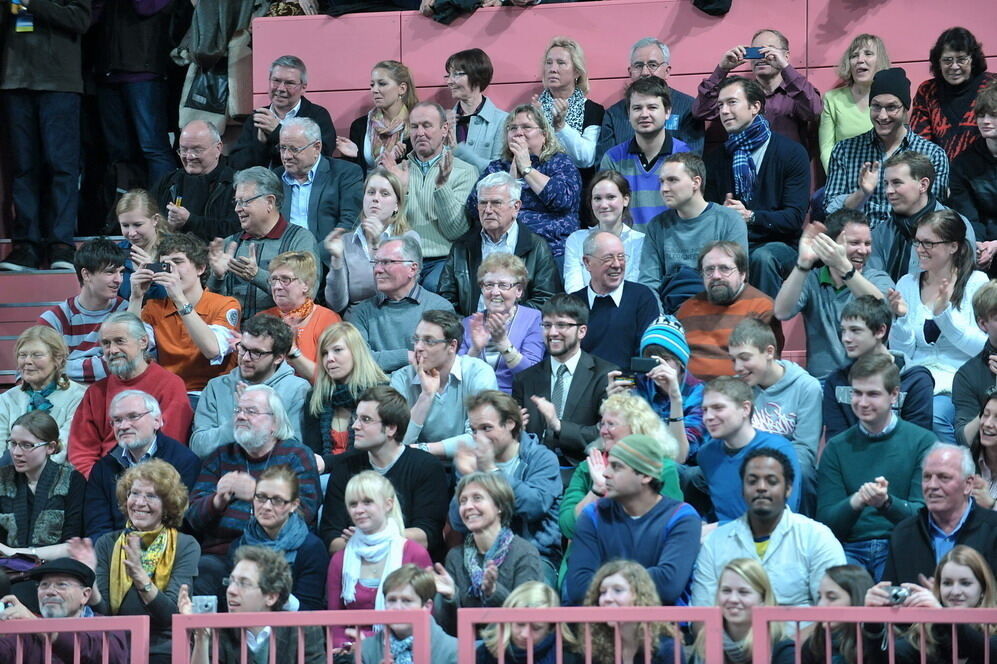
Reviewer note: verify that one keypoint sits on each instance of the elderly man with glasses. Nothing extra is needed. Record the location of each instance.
(387, 319)
(137, 420)
(261, 133)
(221, 502)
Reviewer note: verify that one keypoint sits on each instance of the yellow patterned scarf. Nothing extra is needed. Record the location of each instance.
(159, 551)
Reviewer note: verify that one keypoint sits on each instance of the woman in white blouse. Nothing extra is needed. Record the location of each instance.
(935, 325)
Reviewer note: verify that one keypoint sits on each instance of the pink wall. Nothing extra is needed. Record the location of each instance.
(340, 51)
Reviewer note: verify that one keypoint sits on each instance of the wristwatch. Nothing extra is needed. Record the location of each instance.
(527, 170)
(848, 275)
(294, 354)
(147, 588)
(185, 309)
(751, 218)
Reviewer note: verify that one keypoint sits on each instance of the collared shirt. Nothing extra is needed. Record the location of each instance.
(464, 120)
(667, 146)
(944, 542)
(300, 193)
(127, 460)
(616, 294)
(413, 296)
(885, 432)
(275, 233)
(293, 113)
(506, 243)
(571, 364)
(848, 156)
(257, 642)
(758, 154)
(425, 166)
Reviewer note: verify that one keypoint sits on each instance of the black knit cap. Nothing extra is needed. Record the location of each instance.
(892, 81)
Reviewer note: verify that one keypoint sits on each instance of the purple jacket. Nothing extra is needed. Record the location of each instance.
(525, 335)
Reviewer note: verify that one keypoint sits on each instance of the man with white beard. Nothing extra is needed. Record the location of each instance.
(221, 503)
(64, 587)
(137, 421)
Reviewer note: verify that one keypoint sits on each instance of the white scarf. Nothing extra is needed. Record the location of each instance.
(389, 542)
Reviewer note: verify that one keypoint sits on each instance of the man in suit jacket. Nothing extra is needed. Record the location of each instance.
(320, 193)
(764, 177)
(257, 144)
(566, 389)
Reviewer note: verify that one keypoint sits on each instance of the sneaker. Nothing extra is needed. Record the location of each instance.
(61, 257)
(20, 259)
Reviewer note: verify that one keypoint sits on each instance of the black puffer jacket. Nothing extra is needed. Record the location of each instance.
(973, 189)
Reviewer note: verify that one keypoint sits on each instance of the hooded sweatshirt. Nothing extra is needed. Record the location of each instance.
(791, 408)
(213, 419)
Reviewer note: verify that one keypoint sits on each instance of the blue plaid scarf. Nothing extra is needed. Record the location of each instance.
(740, 146)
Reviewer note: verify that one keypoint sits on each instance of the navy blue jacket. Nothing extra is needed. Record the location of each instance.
(781, 193)
(100, 513)
(614, 333)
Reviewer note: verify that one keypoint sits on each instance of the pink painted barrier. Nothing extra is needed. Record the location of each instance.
(708, 617)
(183, 624)
(762, 616)
(137, 628)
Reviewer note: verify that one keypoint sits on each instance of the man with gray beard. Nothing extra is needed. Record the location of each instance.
(221, 502)
(710, 316)
(64, 587)
(136, 420)
(123, 340)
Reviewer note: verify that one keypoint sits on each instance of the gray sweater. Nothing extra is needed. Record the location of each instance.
(213, 419)
(388, 325)
(521, 564)
(671, 243)
(791, 408)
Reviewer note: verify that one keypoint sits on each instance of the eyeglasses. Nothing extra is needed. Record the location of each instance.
(610, 259)
(367, 419)
(131, 418)
(277, 82)
(453, 74)
(513, 128)
(36, 356)
(276, 501)
(61, 586)
(149, 497)
(560, 327)
(927, 244)
(387, 262)
(245, 584)
(250, 412)
(723, 270)
(294, 150)
(428, 341)
(243, 202)
(253, 353)
(280, 279)
(24, 447)
(961, 60)
(651, 66)
(193, 152)
(503, 286)
(891, 109)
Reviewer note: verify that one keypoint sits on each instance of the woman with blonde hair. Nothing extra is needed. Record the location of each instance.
(743, 585)
(293, 276)
(347, 369)
(576, 119)
(621, 583)
(140, 569)
(41, 500)
(384, 129)
(846, 108)
(382, 215)
(515, 639)
(40, 353)
(376, 547)
(552, 186)
(507, 334)
(143, 226)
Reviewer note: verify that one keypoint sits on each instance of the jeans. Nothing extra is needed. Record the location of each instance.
(44, 133)
(769, 265)
(870, 554)
(432, 270)
(133, 120)
(943, 420)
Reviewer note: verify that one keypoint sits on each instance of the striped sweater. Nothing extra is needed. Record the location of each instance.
(708, 326)
(437, 213)
(215, 528)
(79, 327)
(645, 195)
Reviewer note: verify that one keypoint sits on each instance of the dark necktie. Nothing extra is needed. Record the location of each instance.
(557, 394)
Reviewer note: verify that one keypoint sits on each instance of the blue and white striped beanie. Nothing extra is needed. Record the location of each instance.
(668, 333)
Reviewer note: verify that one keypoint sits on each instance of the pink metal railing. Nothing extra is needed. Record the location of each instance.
(183, 624)
(708, 618)
(137, 628)
(889, 616)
